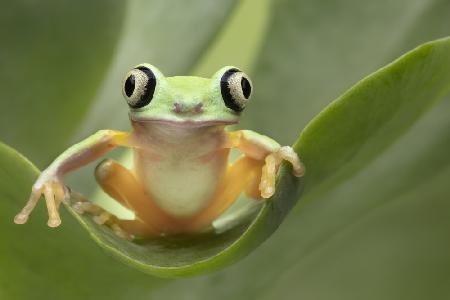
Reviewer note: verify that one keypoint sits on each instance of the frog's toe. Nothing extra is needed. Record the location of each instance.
(102, 218)
(299, 170)
(288, 154)
(54, 222)
(21, 218)
(267, 191)
(121, 233)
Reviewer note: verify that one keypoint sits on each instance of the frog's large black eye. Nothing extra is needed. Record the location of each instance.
(236, 89)
(139, 86)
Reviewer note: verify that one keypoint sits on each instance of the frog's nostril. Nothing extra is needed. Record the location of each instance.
(177, 107)
(198, 108)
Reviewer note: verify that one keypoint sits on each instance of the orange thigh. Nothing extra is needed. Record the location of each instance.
(242, 175)
(121, 184)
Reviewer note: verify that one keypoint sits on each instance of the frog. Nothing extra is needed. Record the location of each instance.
(182, 177)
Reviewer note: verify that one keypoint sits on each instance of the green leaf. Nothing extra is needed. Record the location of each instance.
(39, 263)
(363, 118)
(366, 119)
(195, 254)
(313, 52)
(386, 230)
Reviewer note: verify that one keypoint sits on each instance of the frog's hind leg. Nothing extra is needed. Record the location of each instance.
(121, 184)
(244, 175)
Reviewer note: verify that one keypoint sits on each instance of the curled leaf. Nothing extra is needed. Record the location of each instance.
(345, 136)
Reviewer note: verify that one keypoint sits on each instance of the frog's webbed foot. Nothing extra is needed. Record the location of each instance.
(272, 163)
(81, 205)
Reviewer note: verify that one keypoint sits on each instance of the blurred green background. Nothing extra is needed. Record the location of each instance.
(382, 234)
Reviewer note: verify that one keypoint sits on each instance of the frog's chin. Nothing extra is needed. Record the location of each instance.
(189, 123)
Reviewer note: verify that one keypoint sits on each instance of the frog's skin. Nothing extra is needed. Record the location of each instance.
(182, 179)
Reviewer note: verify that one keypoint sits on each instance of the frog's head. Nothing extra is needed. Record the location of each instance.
(186, 100)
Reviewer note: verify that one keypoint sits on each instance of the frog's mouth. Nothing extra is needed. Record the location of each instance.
(185, 123)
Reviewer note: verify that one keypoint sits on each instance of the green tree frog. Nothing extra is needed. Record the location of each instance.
(182, 179)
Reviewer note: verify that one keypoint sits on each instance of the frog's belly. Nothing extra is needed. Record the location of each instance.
(182, 187)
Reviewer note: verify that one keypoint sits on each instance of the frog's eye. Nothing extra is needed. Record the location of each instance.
(139, 86)
(236, 89)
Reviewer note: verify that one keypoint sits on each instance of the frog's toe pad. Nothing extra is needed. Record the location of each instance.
(267, 192)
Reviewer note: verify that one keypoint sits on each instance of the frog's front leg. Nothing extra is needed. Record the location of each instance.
(254, 172)
(261, 147)
(50, 182)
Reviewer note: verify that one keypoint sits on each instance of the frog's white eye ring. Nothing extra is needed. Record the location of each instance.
(236, 89)
(139, 86)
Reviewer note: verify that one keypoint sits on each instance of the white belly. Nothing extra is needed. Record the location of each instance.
(181, 174)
